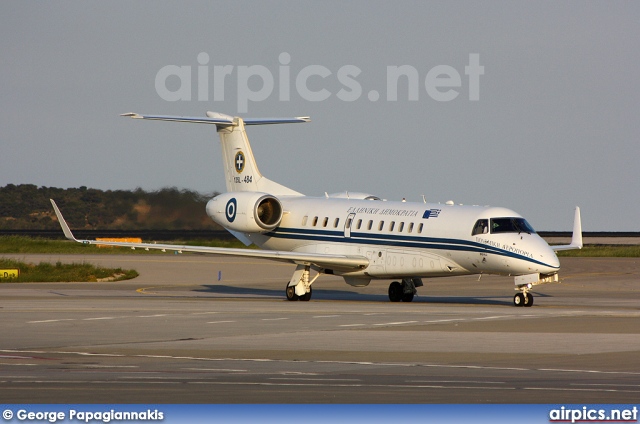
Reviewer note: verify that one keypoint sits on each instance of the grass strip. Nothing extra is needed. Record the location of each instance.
(59, 272)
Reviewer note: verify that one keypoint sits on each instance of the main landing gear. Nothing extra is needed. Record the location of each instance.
(299, 287)
(291, 294)
(404, 291)
(523, 299)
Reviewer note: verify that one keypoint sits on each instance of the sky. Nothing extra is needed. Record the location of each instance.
(531, 106)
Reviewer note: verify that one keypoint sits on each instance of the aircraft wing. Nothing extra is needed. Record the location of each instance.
(342, 262)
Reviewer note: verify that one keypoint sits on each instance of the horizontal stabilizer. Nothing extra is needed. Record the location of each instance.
(218, 119)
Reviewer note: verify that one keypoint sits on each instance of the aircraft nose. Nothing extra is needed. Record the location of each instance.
(551, 260)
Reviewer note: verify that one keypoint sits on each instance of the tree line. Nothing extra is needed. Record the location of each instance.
(26, 206)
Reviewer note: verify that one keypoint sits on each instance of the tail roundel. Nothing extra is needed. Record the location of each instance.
(240, 168)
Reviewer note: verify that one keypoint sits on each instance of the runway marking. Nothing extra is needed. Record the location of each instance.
(18, 365)
(213, 369)
(152, 316)
(136, 377)
(604, 384)
(107, 366)
(314, 379)
(51, 320)
(590, 371)
(353, 325)
(456, 381)
(364, 363)
(95, 319)
(219, 322)
(494, 317)
(445, 320)
(397, 323)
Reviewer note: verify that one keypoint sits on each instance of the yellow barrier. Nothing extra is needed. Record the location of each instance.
(123, 240)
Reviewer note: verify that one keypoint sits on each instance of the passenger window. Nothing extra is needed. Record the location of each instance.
(381, 225)
(410, 227)
(304, 220)
(359, 224)
(370, 225)
(420, 228)
(315, 221)
(336, 222)
(481, 227)
(401, 227)
(325, 221)
(391, 225)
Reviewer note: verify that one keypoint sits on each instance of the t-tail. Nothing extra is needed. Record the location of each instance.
(240, 168)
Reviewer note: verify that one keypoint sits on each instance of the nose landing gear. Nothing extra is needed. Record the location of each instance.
(523, 299)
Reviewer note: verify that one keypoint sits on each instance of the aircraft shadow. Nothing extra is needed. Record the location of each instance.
(323, 294)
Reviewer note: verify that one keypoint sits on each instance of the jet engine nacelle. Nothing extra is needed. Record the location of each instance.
(246, 212)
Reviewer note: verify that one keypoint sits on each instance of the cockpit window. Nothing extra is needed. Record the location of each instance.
(481, 227)
(510, 225)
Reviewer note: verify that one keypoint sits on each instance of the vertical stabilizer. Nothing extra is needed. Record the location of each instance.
(240, 168)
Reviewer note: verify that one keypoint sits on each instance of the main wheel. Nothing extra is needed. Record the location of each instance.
(395, 292)
(518, 299)
(307, 296)
(291, 292)
(407, 297)
(528, 301)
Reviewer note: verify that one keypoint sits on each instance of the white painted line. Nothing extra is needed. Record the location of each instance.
(151, 316)
(95, 319)
(51, 320)
(107, 366)
(495, 317)
(19, 365)
(398, 323)
(213, 369)
(445, 320)
(456, 381)
(314, 379)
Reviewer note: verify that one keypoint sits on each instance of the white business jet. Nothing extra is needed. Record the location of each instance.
(358, 236)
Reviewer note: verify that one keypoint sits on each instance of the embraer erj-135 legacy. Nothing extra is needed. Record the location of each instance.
(358, 236)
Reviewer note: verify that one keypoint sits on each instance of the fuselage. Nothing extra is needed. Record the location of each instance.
(410, 239)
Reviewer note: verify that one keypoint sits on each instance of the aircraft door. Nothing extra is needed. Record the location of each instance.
(347, 225)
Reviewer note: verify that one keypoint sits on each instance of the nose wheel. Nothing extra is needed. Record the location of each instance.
(523, 299)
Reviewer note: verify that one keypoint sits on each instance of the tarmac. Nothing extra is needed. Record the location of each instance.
(206, 329)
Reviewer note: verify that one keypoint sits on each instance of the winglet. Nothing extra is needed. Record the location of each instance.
(576, 238)
(65, 227)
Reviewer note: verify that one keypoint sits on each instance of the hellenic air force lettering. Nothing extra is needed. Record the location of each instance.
(359, 236)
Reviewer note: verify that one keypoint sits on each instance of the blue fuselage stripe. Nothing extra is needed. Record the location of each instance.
(395, 240)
